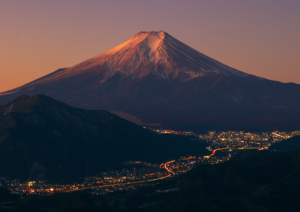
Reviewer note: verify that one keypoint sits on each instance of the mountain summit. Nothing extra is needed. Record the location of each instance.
(148, 53)
(154, 78)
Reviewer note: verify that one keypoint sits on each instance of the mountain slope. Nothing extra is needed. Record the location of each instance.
(154, 78)
(287, 145)
(252, 181)
(61, 140)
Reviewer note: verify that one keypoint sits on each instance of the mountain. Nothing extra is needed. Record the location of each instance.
(153, 78)
(252, 181)
(287, 145)
(53, 139)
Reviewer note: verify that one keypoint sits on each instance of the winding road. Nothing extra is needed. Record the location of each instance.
(164, 165)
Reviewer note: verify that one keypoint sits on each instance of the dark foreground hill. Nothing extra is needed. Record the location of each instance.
(252, 182)
(41, 134)
(287, 145)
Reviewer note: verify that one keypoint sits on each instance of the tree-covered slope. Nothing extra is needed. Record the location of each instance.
(287, 145)
(61, 140)
(252, 181)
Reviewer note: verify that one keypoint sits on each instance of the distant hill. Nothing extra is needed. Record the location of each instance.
(287, 145)
(252, 181)
(53, 139)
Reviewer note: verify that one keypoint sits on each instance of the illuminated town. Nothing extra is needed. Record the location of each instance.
(236, 140)
(138, 173)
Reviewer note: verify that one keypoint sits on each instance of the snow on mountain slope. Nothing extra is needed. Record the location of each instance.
(149, 52)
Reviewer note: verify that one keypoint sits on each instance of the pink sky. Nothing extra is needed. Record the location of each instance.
(260, 37)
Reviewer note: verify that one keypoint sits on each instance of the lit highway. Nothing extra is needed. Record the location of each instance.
(164, 165)
(234, 148)
(170, 171)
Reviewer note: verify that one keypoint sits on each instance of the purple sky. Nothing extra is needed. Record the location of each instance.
(260, 37)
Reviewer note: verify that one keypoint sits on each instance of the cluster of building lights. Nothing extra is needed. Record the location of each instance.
(128, 179)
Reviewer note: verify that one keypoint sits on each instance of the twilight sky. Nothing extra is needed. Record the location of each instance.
(260, 37)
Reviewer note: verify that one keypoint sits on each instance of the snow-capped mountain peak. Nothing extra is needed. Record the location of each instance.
(146, 53)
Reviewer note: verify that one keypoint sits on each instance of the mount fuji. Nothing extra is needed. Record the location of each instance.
(154, 79)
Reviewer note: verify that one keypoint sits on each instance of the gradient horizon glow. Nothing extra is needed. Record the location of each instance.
(260, 37)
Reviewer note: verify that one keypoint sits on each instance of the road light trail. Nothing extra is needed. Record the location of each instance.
(170, 172)
(233, 148)
(278, 135)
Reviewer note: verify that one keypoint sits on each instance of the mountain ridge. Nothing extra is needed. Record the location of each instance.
(62, 139)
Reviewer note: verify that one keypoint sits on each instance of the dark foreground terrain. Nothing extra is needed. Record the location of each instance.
(253, 181)
(59, 140)
(286, 145)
